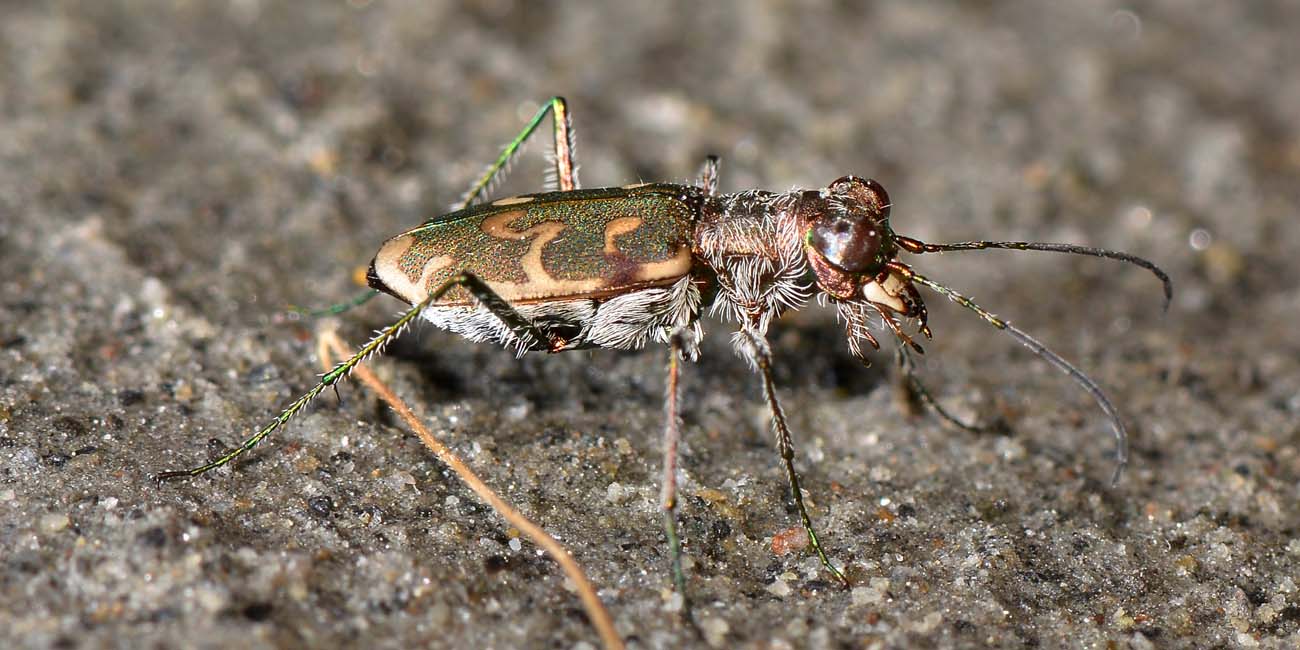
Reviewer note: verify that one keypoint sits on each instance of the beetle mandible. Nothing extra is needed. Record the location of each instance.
(621, 267)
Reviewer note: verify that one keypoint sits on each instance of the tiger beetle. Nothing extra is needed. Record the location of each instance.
(619, 267)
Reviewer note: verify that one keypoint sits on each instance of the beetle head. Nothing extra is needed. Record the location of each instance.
(848, 241)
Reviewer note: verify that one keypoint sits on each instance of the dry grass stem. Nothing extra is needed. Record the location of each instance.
(600, 618)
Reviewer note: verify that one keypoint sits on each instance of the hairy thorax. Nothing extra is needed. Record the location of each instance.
(751, 242)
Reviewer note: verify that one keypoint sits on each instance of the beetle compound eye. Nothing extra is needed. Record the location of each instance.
(880, 197)
(849, 242)
(853, 231)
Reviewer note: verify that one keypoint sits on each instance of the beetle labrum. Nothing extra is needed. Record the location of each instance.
(621, 267)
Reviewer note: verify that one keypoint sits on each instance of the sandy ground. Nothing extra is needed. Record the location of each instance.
(172, 174)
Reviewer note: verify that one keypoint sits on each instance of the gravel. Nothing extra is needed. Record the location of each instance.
(173, 174)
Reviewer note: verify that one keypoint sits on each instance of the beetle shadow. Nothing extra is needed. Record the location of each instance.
(437, 364)
(453, 369)
(808, 353)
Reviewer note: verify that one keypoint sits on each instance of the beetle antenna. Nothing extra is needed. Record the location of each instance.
(917, 246)
(1116, 424)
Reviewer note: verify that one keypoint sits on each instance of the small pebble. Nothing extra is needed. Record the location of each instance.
(618, 493)
(54, 523)
(715, 631)
(780, 588)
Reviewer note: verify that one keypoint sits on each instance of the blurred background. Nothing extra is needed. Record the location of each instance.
(174, 174)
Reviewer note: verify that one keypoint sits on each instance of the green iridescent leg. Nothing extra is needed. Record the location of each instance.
(566, 174)
(374, 346)
(529, 336)
(564, 170)
(337, 308)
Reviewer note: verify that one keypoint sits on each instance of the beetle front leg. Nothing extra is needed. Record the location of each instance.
(913, 388)
(760, 358)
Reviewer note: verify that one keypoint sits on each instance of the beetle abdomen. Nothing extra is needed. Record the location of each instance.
(626, 321)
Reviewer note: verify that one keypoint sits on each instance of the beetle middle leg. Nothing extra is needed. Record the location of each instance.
(668, 488)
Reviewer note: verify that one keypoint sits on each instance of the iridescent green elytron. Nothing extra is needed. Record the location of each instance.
(626, 266)
(550, 246)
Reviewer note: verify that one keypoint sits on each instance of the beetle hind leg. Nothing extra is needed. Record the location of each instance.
(708, 177)
(563, 169)
(563, 174)
(375, 346)
(525, 334)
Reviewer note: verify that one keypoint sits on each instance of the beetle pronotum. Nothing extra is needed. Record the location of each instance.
(620, 267)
